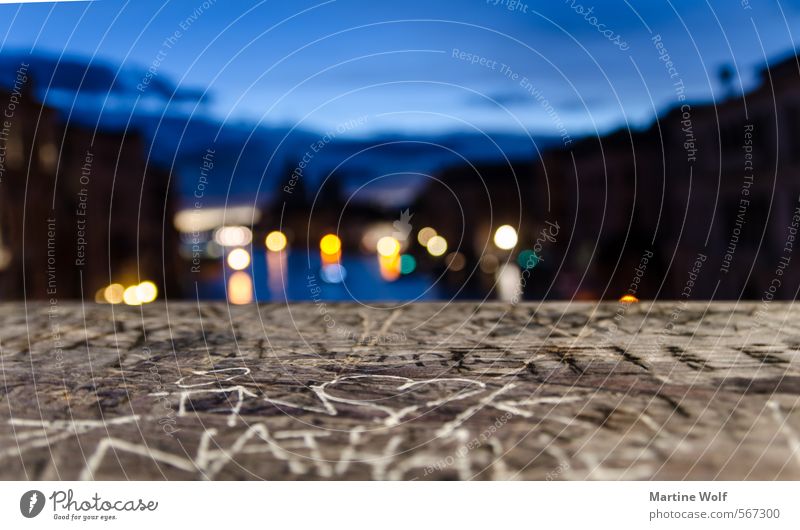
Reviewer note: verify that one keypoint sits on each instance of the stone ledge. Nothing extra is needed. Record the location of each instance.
(423, 391)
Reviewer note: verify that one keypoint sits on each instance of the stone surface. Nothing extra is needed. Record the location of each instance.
(425, 391)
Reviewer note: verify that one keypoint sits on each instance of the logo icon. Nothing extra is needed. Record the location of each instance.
(402, 227)
(31, 503)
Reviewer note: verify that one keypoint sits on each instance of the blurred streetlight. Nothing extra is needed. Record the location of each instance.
(233, 236)
(142, 293)
(146, 292)
(425, 235)
(238, 259)
(330, 248)
(113, 293)
(505, 237)
(407, 264)
(388, 246)
(275, 241)
(437, 246)
(330, 244)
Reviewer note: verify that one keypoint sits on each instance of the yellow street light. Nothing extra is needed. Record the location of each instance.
(113, 294)
(130, 297)
(330, 244)
(233, 236)
(146, 292)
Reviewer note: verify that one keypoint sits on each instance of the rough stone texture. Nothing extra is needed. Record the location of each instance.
(425, 391)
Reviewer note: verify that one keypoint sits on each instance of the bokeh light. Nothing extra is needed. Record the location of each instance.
(389, 267)
(437, 246)
(388, 246)
(628, 299)
(505, 237)
(113, 294)
(238, 259)
(456, 261)
(425, 235)
(489, 263)
(407, 264)
(275, 241)
(191, 220)
(330, 244)
(142, 293)
(240, 288)
(333, 273)
(509, 282)
(146, 292)
(369, 240)
(528, 259)
(130, 297)
(233, 236)
(214, 250)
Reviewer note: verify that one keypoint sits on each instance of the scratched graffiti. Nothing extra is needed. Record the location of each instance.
(270, 392)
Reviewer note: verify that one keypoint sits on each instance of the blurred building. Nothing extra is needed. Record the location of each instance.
(79, 208)
(717, 181)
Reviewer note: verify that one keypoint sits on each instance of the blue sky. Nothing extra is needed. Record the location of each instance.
(321, 63)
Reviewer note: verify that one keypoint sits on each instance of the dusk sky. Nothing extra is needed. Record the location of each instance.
(319, 64)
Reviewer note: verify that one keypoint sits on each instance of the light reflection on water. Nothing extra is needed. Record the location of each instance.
(291, 276)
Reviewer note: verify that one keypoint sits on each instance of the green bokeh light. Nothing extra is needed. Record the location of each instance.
(528, 259)
(407, 264)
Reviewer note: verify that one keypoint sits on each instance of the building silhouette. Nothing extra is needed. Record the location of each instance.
(715, 182)
(79, 208)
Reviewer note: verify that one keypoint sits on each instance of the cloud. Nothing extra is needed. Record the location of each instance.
(78, 74)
